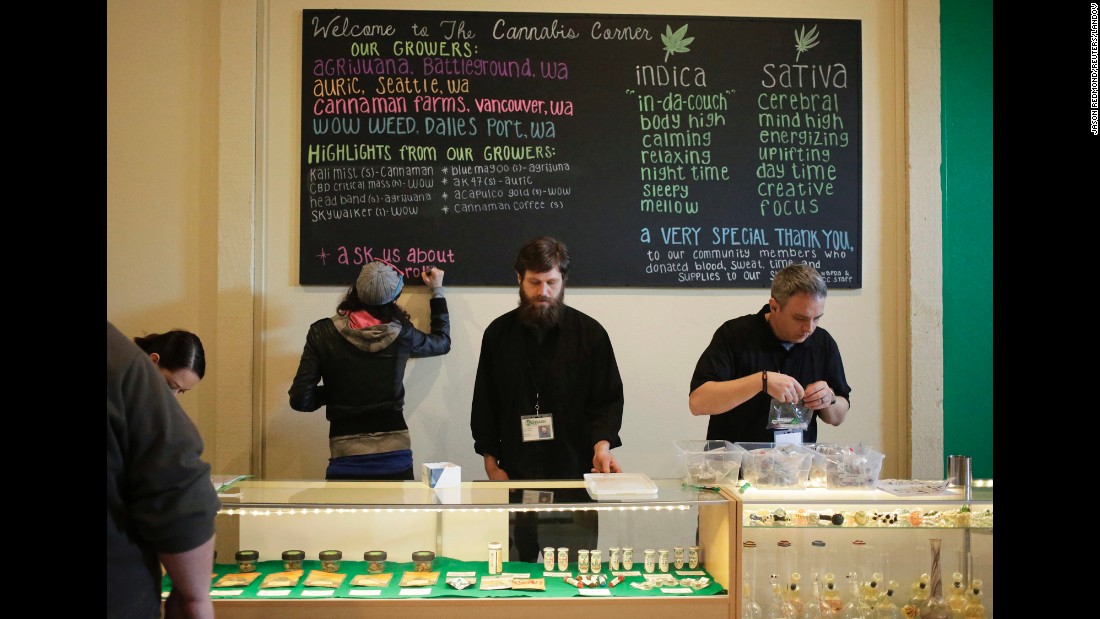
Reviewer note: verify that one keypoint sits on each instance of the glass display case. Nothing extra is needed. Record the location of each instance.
(457, 530)
(868, 549)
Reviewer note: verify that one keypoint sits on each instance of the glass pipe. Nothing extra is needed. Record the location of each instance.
(975, 609)
(854, 609)
(935, 607)
(957, 599)
(831, 595)
(778, 607)
(749, 608)
(794, 595)
(886, 608)
(911, 609)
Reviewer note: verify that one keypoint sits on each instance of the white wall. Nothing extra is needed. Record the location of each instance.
(202, 232)
(658, 334)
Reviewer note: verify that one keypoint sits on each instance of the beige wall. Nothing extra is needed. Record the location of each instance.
(202, 234)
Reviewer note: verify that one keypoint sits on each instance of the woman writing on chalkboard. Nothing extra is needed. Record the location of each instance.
(179, 356)
(360, 355)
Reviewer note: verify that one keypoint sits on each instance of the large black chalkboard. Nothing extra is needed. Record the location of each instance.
(666, 151)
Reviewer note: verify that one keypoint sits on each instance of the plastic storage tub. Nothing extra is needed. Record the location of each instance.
(708, 462)
(767, 465)
(853, 468)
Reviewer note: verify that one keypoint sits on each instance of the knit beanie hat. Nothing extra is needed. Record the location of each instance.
(378, 283)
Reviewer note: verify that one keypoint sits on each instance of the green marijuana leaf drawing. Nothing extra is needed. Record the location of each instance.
(803, 41)
(675, 41)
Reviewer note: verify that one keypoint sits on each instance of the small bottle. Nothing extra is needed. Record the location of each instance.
(548, 559)
(694, 558)
(628, 557)
(330, 560)
(563, 558)
(423, 560)
(613, 558)
(376, 561)
(292, 560)
(495, 564)
(246, 560)
(650, 560)
(595, 561)
(662, 560)
(582, 561)
(678, 557)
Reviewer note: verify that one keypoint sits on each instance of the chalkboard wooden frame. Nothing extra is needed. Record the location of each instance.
(666, 151)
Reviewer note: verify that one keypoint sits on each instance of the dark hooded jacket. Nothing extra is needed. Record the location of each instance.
(364, 370)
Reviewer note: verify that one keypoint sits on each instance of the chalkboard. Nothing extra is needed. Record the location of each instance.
(665, 151)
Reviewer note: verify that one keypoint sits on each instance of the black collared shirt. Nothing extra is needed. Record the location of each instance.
(746, 345)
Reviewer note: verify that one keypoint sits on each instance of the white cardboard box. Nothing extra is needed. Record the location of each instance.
(442, 474)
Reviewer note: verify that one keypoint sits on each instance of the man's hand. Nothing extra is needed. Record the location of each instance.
(493, 471)
(818, 396)
(602, 460)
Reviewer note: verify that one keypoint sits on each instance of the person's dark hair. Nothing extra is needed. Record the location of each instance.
(178, 350)
(384, 313)
(795, 279)
(541, 254)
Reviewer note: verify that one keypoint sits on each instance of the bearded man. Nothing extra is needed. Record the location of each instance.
(548, 398)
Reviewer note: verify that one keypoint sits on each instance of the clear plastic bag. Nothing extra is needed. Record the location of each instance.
(788, 415)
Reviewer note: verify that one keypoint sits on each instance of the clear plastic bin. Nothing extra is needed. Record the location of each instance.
(853, 468)
(708, 462)
(767, 465)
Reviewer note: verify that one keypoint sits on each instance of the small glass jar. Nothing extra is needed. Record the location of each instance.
(495, 559)
(548, 559)
(628, 557)
(423, 560)
(662, 560)
(292, 559)
(582, 561)
(246, 560)
(650, 560)
(678, 557)
(613, 558)
(330, 560)
(693, 557)
(595, 561)
(376, 561)
(563, 558)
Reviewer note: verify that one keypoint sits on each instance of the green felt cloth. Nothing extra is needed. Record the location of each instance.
(555, 585)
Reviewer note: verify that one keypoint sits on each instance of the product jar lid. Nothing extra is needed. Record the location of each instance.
(330, 555)
(247, 555)
(423, 555)
(294, 555)
(374, 555)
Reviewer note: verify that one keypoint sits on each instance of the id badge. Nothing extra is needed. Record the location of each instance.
(788, 436)
(537, 427)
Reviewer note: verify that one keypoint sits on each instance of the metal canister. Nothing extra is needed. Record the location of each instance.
(650, 560)
(678, 557)
(595, 561)
(613, 558)
(693, 557)
(548, 558)
(628, 557)
(582, 561)
(662, 560)
(563, 558)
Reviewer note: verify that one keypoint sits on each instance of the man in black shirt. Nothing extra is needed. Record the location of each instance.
(779, 353)
(548, 398)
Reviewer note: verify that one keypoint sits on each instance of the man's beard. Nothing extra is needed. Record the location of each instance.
(533, 314)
